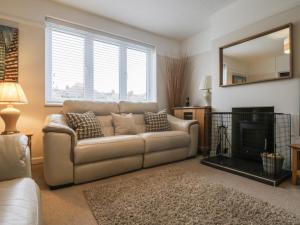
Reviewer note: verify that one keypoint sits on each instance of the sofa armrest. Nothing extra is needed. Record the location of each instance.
(56, 123)
(190, 126)
(59, 141)
(182, 125)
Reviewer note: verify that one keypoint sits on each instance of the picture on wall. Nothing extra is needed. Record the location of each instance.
(9, 53)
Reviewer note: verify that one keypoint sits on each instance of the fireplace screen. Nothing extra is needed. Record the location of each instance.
(254, 144)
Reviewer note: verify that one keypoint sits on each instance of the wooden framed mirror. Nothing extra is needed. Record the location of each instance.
(263, 57)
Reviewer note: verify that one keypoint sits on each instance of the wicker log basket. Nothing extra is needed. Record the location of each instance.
(272, 163)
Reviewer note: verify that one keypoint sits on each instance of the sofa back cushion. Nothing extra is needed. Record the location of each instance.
(139, 120)
(138, 107)
(106, 124)
(124, 124)
(103, 112)
(98, 108)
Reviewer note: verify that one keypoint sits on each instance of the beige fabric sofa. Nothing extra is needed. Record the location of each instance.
(19, 195)
(68, 160)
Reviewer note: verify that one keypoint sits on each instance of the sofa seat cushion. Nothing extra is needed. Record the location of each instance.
(19, 202)
(159, 141)
(106, 124)
(97, 149)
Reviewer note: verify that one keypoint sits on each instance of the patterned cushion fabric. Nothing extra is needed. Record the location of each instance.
(86, 124)
(156, 122)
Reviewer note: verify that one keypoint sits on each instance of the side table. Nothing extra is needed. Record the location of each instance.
(295, 162)
(201, 114)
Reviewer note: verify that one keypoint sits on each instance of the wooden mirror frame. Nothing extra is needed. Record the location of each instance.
(290, 26)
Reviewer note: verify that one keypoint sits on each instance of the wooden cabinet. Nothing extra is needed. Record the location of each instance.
(201, 114)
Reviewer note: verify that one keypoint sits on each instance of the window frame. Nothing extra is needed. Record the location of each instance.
(90, 36)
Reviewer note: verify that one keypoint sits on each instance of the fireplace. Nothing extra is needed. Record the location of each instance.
(252, 132)
(253, 142)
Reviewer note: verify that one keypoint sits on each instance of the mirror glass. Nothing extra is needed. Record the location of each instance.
(263, 57)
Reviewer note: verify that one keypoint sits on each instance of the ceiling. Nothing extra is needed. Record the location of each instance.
(176, 19)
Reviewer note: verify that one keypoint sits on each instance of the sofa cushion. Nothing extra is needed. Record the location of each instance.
(138, 107)
(86, 124)
(20, 202)
(156, 122)
(106, 125)
(159, 141)
(97, 149)
(124, 124)
(139, 120)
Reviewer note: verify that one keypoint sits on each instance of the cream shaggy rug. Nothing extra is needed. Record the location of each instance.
(174, 197)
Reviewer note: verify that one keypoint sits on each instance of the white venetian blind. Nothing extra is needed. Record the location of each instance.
(67, 61)
(136, 75)
(86, 64)
(106, 71)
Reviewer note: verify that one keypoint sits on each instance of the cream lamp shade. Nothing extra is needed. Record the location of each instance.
(205, 83)
(11, 93)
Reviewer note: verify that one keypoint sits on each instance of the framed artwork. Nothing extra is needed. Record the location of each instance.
(9, 53)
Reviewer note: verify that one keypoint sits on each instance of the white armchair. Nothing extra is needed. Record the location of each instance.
(14, 157)
(16, 183)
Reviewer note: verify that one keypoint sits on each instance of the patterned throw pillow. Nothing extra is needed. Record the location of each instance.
(156, 122)
(86, 125)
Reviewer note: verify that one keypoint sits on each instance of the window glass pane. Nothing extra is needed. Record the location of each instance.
(106, 71)
(136, 75)
(67, 66)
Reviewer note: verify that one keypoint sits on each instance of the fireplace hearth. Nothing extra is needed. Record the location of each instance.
(252, 142)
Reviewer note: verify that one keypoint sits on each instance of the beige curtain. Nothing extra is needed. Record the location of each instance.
(176, 75)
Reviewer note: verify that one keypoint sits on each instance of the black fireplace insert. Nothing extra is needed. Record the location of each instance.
(252, 132)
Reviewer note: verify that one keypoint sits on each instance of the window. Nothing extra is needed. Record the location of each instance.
(90, 65)
(106, 71)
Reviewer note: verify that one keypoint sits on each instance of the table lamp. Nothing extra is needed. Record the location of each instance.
(205, 86)
(11, 93)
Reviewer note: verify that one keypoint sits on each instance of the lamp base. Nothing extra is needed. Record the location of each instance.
(10, 116)
(206, 97)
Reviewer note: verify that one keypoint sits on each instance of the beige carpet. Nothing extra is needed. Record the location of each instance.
(67, 206)
(175, 197)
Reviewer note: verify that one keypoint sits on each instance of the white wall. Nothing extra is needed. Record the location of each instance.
(235, 16)
(29, 17)
(263, 66)
(284, 95)
(199, 66)
(244, 12)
